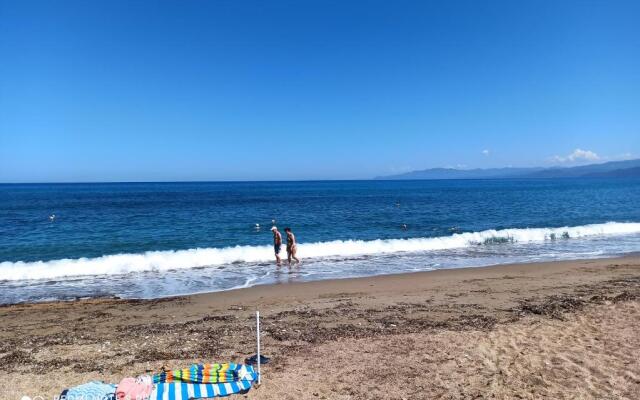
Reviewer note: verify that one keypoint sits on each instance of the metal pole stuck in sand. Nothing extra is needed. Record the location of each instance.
(258, 340)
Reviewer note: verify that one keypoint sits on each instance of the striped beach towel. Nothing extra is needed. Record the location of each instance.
(187, 391)
(178, 390)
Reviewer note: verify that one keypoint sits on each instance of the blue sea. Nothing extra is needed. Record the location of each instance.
(147, 240)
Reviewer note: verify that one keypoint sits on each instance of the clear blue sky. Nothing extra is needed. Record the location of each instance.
(243, 90)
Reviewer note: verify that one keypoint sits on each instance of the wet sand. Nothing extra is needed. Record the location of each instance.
(558, 330)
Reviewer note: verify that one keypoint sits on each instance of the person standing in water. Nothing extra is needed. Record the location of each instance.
(277, 243)
(292, 246)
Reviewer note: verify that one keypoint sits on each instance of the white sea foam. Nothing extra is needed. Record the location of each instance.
(168, 260)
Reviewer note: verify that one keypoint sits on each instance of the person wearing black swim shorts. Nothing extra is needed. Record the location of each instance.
(277, 243)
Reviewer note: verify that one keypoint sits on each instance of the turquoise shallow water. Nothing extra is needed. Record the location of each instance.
(157, 239)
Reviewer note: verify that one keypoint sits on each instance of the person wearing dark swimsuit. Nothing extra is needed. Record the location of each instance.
(292, 246)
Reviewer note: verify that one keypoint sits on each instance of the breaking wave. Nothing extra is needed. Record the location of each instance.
(119, 264)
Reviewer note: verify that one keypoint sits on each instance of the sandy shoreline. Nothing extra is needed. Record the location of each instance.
(544, 330)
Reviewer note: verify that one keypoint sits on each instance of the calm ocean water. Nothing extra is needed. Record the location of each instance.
(159, 239)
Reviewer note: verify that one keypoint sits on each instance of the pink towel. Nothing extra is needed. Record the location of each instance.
(135, 389)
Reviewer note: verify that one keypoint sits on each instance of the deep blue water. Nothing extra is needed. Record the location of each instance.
(93, 220)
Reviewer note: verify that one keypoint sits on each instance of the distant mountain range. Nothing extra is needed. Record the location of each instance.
(612, 169)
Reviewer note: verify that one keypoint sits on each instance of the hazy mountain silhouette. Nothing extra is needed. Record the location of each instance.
(612, 169)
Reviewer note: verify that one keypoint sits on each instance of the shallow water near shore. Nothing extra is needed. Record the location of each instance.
(161, 239)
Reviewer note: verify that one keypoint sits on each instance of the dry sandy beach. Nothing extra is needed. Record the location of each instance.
(561, 330)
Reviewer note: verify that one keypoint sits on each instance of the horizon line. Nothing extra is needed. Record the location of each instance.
(376, 179)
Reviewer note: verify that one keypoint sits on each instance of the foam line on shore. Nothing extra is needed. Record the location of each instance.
(119, 264)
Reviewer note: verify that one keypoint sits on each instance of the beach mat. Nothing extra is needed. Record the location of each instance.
(194, 382)
(203, 373)
(186, 391)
